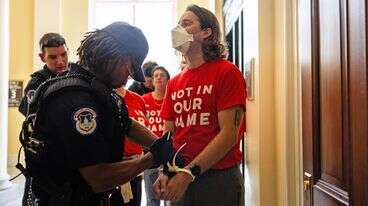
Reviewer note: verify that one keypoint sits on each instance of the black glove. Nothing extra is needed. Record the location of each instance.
(179, 161)
(164, 153)
(162, 150)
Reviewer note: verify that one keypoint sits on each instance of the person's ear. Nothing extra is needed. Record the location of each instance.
(206, 32)
(42, 56)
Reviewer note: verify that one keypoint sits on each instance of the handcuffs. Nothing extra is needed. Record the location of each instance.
(175, 169)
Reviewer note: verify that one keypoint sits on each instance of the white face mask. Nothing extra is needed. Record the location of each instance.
(181, 39)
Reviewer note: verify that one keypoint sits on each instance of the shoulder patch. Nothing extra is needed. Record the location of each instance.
(85, 120)
(30, 94)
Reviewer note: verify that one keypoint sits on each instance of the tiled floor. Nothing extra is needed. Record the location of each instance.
(13, 195)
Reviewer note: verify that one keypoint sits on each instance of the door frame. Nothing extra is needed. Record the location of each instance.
(288, 102)
(274, 117)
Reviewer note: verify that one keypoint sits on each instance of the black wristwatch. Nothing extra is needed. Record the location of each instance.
(195, 170)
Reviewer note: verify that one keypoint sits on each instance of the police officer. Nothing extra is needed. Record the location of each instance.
(78, 124)
(54, 53)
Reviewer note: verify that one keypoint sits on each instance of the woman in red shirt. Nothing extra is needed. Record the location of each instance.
(132, 193)
(153, 102)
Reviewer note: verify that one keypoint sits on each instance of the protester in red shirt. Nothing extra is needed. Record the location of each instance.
(204, 106)
(155, 123)
(137, 111)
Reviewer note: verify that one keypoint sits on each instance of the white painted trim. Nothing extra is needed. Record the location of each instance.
(298, 163)
(287, 103)
(293, 137)
(4, 84)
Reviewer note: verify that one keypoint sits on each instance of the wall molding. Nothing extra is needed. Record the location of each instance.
(288, 104)
(293, 155)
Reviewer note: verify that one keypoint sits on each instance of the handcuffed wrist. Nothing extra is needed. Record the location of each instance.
(187, 171)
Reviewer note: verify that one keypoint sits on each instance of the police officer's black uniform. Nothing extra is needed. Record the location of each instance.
(81, 124)
(139, 88)
(37, 78)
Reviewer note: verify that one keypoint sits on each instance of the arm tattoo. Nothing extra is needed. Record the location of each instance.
(237, 117)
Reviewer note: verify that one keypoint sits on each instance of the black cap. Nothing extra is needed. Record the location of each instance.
(132, 42)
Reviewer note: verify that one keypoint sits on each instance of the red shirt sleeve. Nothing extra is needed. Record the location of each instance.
(229, 95)
(167, 107)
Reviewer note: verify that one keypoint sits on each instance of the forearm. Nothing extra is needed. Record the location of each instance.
(104, 177)
(224, 141)
(214, 151)
(140, 134)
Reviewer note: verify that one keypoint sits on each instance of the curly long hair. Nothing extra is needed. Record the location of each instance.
(99, 53)
(213, 47)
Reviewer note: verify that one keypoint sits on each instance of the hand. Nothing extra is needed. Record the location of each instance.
(179, 162)
(162, 150)
(176, 187)
(160, 185)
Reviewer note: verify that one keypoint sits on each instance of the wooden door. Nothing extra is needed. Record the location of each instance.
(333, 58)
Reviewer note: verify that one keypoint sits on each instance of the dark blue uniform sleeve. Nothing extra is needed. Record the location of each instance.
(29, 91)
(74, 119)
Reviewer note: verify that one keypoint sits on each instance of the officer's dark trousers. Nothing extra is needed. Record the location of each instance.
(27, 196)
(136, 185)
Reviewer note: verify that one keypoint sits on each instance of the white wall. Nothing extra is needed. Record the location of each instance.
(47, 18)
(251, 43)
(67, 17)
(273, 118)
(4, 78)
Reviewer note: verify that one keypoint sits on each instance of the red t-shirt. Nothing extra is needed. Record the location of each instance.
(154, 120)
(137, 111)
(193, 99)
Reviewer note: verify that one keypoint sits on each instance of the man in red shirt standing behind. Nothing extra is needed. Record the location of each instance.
(204, 106)
(153, 102)
(132, 191)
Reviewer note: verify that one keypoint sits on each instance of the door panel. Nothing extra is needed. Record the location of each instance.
(320, 198)
(305, 59)
(358, 100)
(332, 55)
(330, 82)
(327, 194)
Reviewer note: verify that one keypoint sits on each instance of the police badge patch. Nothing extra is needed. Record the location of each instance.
(85, 121)
(30, 94)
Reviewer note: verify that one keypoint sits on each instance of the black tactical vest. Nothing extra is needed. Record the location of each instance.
(36, 140)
